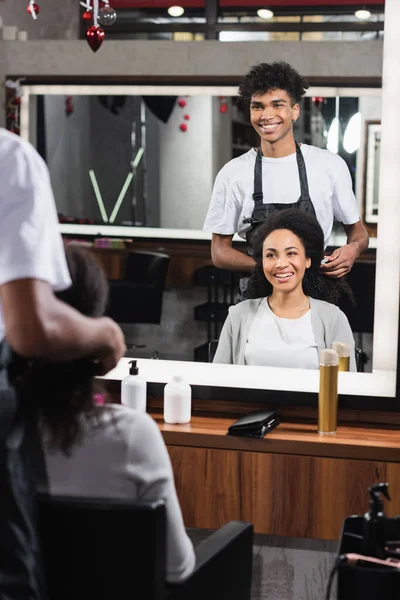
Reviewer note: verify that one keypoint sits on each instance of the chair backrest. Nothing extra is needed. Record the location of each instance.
(212, 348)
(138, 298)
(102, 549)
(147, 268)
(362, 281)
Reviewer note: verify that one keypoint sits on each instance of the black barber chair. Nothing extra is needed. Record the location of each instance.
(114, 550)
(361, 316)
(138, 297)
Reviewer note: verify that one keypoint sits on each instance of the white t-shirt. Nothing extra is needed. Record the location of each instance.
(124, 456)
(329, 185)
(277, 342)
(30, 243)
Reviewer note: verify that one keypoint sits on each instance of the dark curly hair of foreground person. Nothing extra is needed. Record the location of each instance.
(308, 230)
(265, 77)
(60, 394)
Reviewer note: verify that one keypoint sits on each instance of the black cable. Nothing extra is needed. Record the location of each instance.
(339, 561)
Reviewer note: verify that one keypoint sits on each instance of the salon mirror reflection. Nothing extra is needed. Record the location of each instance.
(150, 162)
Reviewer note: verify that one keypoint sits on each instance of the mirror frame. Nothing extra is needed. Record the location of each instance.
(386, 318)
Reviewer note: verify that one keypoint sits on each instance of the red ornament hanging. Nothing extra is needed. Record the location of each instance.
(95, 37)
(186, 117)
(87, 15)
(13, 103)
(69, 107)
(182, 102)
(33, 9)
(183, 127)
(223, 105)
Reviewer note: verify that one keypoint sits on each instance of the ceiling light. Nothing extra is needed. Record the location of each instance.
(362, 14)
(265, 13)
(176, 11)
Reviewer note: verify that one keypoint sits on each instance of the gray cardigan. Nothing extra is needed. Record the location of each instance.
(329, 324)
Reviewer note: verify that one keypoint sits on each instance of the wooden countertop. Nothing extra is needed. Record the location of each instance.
(366, 443)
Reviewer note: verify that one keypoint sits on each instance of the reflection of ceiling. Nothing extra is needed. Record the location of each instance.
(248, 4)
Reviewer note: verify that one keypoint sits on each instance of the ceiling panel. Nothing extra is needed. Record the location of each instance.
(151, 4)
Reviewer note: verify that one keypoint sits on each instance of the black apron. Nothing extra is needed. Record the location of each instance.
(20, 568)
(262, 212)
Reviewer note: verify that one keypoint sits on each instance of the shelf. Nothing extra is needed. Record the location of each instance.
(214, 312)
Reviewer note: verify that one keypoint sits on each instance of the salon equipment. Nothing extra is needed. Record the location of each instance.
(133, 389)
(364, 577)
(138, 298)
(256, 424)
(328, 391)
(221, 288)
(108, 549)
(374, 522)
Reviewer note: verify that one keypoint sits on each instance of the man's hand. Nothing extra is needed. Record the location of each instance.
(109, 356)
(340, 262)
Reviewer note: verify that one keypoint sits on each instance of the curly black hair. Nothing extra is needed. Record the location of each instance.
(60, 393)
(309, 232)
(271, 76)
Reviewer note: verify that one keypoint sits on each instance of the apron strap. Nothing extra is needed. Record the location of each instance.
(258, 193)
(301, 165)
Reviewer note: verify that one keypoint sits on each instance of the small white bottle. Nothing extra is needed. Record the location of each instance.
(133, 389)
(177, 401)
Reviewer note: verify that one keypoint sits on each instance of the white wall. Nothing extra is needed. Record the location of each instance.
(68, 150)
(185, 191)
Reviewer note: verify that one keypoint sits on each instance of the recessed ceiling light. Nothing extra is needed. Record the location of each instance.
(362, 14)
(265, 13)
(176, 11)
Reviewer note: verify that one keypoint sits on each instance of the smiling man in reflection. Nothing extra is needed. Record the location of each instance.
(290, 314)
(280, 174)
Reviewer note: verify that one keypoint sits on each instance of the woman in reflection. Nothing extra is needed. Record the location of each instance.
(290, 313)
(92, 450)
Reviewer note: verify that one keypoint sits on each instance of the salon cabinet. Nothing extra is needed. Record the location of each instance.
(293, 483)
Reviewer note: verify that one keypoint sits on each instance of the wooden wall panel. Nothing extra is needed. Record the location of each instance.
(286, 495)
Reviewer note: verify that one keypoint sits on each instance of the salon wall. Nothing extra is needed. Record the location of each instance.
(58, 19)
(187, 59)
(68, 158)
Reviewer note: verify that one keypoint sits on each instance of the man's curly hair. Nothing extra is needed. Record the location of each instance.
(271, 76)
(309, 232)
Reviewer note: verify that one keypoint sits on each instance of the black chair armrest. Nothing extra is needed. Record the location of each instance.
(223, 566)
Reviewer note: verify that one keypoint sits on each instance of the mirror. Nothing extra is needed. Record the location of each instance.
(372, 151)
(174, 170)
(129, 159)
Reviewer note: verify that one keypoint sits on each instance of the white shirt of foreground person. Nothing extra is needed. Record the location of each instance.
(30, 243)
(329, 184)
(124, 456)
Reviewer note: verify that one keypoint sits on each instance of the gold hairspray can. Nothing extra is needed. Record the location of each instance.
(343, 351)
(328, 391)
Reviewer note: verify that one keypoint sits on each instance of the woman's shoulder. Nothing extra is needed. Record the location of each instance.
(323, 307)
(245, 307)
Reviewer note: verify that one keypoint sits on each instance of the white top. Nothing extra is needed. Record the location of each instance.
(276, 342)
(31, 245)
(329, 185)
(125, 457)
